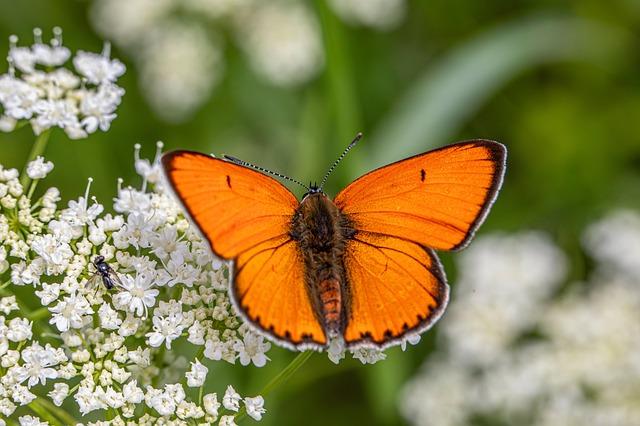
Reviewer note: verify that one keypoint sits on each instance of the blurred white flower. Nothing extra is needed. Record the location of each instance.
(381, 14)
(615, 242)
(503, 285)
(58, 98)
(283, 42)
(569, 359)
(179, 66)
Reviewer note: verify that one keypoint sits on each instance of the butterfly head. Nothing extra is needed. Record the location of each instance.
(313, 189)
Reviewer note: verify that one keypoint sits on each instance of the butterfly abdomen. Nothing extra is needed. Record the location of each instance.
(319, 229)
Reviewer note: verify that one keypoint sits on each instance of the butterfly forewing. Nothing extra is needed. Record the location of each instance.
(234, 207)
(437, 199)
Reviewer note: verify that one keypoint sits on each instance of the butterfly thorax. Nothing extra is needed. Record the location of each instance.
(321, 232)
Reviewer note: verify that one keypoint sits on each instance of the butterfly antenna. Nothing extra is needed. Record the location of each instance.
(333, 166)
(261, 169)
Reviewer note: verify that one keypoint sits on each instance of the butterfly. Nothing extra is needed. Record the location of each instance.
(361, 267)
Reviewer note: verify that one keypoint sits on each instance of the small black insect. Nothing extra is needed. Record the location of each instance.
(109, 277)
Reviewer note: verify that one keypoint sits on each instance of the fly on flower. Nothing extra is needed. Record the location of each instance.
(105, 272)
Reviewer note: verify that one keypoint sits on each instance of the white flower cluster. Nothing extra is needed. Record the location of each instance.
(180, 61)
(39, 89)
(104, 348)
(521, 349)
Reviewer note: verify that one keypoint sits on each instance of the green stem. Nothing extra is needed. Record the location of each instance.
(43, 413)
(37, 149)
(38, 314)
(282, 377)
(66, 418)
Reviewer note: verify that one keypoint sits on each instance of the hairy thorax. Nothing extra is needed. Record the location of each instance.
(322, 231)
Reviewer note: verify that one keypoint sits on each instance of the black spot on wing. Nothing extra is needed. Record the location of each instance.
(423, 175)
(229, 181)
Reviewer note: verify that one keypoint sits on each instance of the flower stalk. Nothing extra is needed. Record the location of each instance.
(280, 378)
(38, 148)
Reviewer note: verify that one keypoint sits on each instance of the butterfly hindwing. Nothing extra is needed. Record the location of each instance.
(437, 199)
(397, 288)
(270, 290)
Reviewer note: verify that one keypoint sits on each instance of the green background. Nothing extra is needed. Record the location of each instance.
(557, 82)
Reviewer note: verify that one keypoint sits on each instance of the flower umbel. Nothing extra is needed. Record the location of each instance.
(103, 348)
(38, 88)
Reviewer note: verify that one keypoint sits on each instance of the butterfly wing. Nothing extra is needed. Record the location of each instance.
(437, 199)
(397, 288)
(400, 213)
(246, 217)
(271, 293)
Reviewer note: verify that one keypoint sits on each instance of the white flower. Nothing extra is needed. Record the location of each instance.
(37, 365)
(109, 317)
(99, 107)
(197, 375)
(56, 253)
(136, 295)
(19, 330)
(59, 393)
(8, 304)
(231, 399)
(152, 172)
(227, 421)
(163, 403)
(98, 68)
(369, 355)
(211, 404)
(336, 349)
(21, 395)
(165, 329)
(48, 293)
(31, 421)
(252, 349)
(255, 407)
(38, 168)
(69, 312)
(54, 98)
(79, 213)
(133, 393)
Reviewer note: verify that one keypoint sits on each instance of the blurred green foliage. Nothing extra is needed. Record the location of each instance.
(557, 82)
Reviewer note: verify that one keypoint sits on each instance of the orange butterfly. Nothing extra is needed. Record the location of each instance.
(361, 266)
